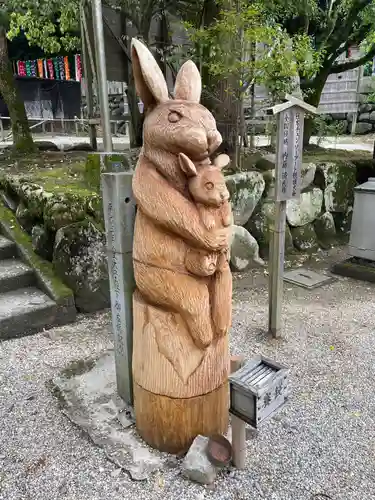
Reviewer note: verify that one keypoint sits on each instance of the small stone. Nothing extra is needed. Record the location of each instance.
(363, 128)
(339, 116)
(340, 181)
(305, 209)
(343, 223)
(124, 420)
(304, 238)
(116, 473)
(79, 260)
(82, 146)
(24, 218)
(46, 146)
(42, 242)
(261, 225)
(364, 117)
(267, 162)
(171, 462)
(60, 211)
(196, 465)
(9, 202)
(307, 174)
(325, 230)
(246, 189)
(244, 250)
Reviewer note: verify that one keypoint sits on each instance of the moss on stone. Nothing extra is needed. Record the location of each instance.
(11, 228)
(93, 171)
(340, 181)
(56, 196)
(315, 154)
(304, 238)
(97, 163)
(261, 225)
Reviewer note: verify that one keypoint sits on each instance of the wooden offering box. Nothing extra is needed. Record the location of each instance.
(258, 390)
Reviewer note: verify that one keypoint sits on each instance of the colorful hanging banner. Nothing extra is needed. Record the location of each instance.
(33, 68)
(21, 68)
(51, 73)
(28, 68)
(78, 67)
(53, 68)
(40, 68)
(60, 62)
(66, 67)
(56, 68)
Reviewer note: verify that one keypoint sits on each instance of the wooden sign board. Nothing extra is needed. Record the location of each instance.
(289, 154)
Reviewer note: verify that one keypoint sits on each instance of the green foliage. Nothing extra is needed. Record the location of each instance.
(245, 47)
(326, 127)
(50, 24)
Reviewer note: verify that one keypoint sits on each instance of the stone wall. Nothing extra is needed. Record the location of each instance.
(320, 218)
(63, 219)
(61, 211)
(366, 111)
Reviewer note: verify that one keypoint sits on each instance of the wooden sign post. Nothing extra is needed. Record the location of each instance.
(290, 119)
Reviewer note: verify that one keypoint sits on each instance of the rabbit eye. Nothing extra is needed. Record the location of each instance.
(209, 186)
(174, 117)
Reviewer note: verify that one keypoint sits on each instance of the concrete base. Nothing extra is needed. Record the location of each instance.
(88, 395)
(356, 268)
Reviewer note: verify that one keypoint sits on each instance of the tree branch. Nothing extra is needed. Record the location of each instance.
(355, 63)
(341, 32)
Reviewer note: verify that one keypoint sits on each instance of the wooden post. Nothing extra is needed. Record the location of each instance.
(88, 80)
(290, 120)
(355, 114)
(238, 425)
(101, 73)
(119, 215)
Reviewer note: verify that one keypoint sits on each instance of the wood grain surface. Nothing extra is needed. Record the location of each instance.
(171, 425)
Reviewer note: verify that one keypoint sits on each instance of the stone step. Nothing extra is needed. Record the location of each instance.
(7, 248)
(25, 311)
(14, 274)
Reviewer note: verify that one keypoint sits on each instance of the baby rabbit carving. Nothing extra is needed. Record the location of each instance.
(208, 189)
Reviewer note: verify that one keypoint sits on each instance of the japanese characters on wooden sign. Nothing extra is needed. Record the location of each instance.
(119, 215)
(289, 153)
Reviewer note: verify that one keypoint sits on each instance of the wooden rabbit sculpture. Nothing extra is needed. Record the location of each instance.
(180, 363)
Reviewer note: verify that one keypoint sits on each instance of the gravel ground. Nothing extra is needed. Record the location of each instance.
(320, 446)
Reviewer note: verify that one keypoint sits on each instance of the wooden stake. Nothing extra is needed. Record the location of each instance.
(238, 425)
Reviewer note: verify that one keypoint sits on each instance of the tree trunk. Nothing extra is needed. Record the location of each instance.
(313, 97)
(136, 118)
(22, 138)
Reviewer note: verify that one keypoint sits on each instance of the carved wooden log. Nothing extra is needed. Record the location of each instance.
(182, 312)
(179, 390)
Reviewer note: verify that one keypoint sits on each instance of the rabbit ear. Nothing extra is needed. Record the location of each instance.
(188, 86)
(149, 80)
(221, 161)
(187, 165)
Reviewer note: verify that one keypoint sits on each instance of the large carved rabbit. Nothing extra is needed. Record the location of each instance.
(171, 303)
